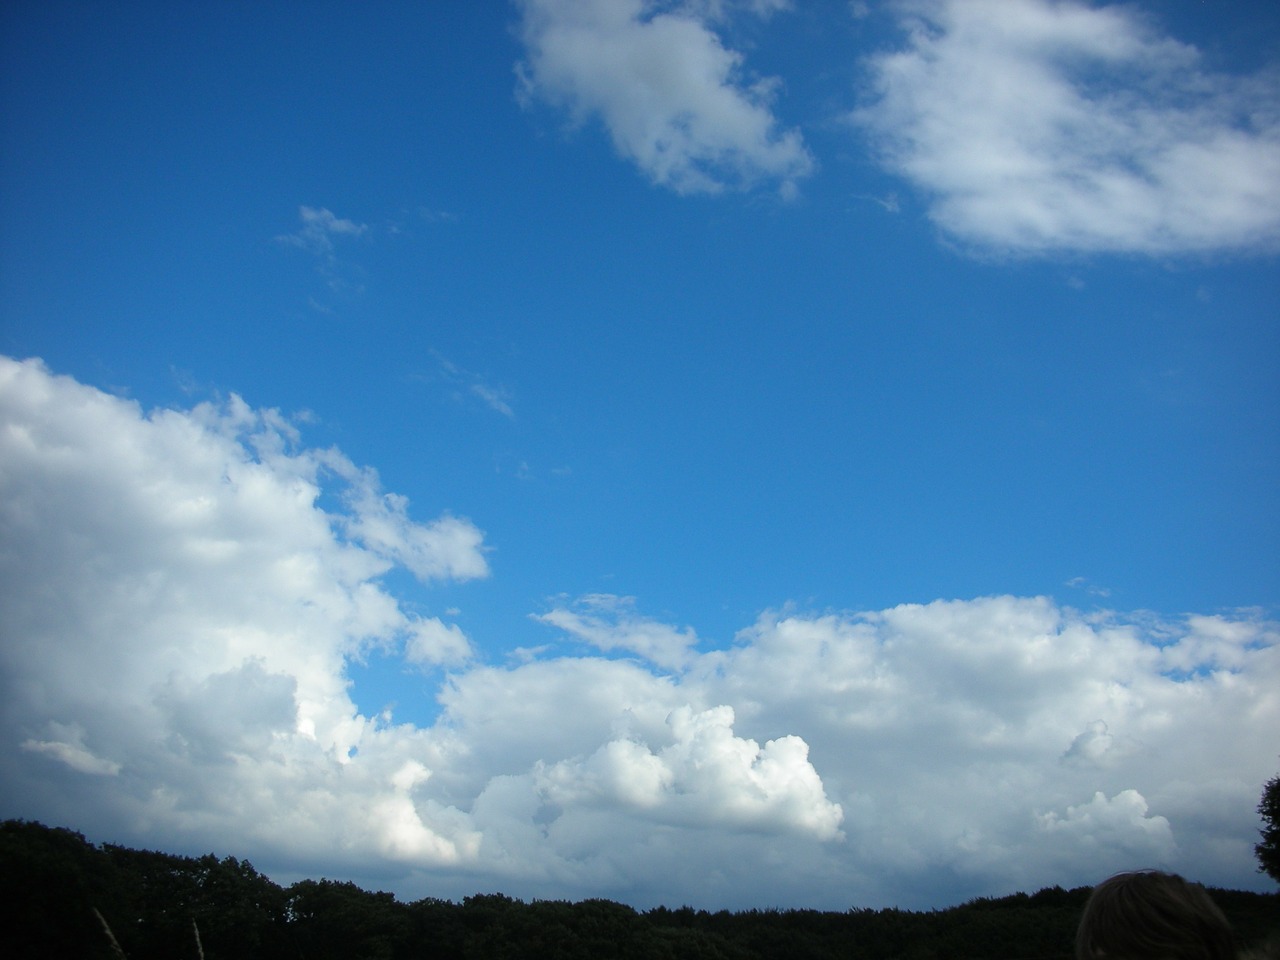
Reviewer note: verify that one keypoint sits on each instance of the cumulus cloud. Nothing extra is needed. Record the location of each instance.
(178, 549)
(702, 776)
(432, 641)
(179, 611)
(444, 548)
(986, 696)
(1042, 126)
(673, 98)
(1104, 822)
(1095, 745)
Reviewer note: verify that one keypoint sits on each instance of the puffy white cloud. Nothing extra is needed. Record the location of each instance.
(1117, 829)
(705, 775)
(444, 548)
(1037, 126)
(179, 610)
(674, 100)
(1095, 745)
(947, 731)
(432, 641)
(178, 615)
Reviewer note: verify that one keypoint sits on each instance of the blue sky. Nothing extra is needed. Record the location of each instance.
(701, 377)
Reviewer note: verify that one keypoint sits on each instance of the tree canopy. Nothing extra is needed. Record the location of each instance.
(155, 905)
(1268, 849)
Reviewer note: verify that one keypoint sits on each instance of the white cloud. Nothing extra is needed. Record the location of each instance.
(1095, 745)
(432, 641)
(1103, 828)
(675, 101)
(319, 228)
(174, 550)
(611, 623)
(943, 730)
(319, 234)
(179, 615)
(1039, 126)
(444, 548)
(704, 776)
(720, 10)
(494, 398)
(72, 751)
(464, 382)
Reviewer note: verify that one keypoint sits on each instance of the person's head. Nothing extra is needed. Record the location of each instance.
(1149, 915)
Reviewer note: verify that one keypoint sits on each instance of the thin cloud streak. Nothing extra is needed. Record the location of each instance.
(465, 383)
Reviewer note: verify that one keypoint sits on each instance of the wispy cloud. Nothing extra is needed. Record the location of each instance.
(69, 749)
(320, 227)
(1038, 126)
(888, 203)
(612, 623)
(673, 98)
(493, 398)
(465, 383)
(319, 235)
(1083, 583)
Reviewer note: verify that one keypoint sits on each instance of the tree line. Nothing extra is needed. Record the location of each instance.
(68, 897)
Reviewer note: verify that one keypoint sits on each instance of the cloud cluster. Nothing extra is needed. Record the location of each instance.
(1043, 126)
(673, 98)
(1031, 127)
(171, 550)
(183, 593)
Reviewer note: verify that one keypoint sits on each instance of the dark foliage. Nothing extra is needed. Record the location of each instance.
(161, 900)
(1268, 850)
(53, 880)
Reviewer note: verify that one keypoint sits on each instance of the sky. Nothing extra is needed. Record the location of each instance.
(734, 453)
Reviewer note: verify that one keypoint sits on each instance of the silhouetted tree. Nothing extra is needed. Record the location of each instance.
(1268, 850)
(328, 919)
(164, 897)
(53, 881)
